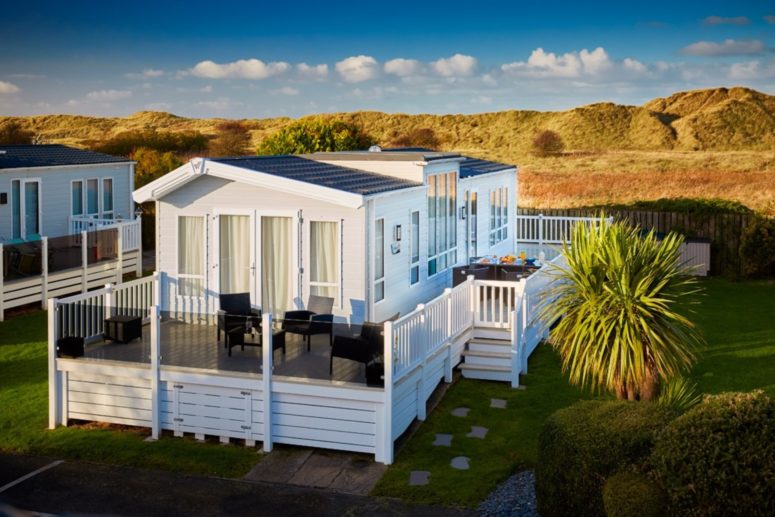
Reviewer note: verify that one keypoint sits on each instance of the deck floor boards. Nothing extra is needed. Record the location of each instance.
(197, 346)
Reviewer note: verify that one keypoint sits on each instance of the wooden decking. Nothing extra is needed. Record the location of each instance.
(196, 346)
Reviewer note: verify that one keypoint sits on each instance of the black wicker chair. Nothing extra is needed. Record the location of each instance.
(235, 312)
(316, 319)
(364, 347)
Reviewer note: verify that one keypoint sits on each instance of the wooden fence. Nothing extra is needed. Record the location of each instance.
(724, 231)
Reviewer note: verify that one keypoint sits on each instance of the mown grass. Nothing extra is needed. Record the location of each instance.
(736, 320)
(24, 418)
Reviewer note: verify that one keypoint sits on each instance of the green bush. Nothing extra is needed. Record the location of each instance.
(580, 446)
(719, 457)
(757, 248)
(628, 494)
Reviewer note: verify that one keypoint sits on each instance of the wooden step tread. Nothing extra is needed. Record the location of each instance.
(464, 366)
(500, 355)
(490, 341)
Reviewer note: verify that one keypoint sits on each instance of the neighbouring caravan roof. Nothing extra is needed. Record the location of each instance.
(51, 155)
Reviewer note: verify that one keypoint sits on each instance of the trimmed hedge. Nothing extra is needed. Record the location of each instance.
(719, 457)
(628, 494)
(580, 446)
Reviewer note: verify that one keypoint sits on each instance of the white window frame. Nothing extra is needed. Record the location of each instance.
(86, 197)
(23, 234)
(203, 276)
(83, 196)
(414, 265)
(444, 258)
(338, 300)
(499, 218)
(379, 280)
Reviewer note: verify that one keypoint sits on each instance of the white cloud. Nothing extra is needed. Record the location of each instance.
(729, 47)
(312, 71)
(720, 20)
(747, 70)
(595, 62)
(108, 95)
(220, 104)
(356, 69)
(158, 106)
(546, 64)
(148, 73)
(482, 99)
(633, 65)
(241, 69)
(402, 67)
(286, 90)
(206, 89)
(6, 87)
(458, 65)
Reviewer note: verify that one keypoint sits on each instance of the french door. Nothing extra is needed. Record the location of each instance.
(471, 212)
(26, 208)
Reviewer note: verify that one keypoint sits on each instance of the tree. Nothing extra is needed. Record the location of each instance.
(127, 142)
(13, 133)
(547, 143)
(418, 137)
(232, 139)
(616, 303)
(152, 164)
(315, 135)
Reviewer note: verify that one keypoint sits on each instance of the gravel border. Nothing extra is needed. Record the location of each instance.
(515, 497)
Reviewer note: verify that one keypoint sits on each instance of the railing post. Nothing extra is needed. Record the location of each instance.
(387, 421)
(109, 300)
(266, 373)
(155, 372)
(157, 288)
(515, 355)
(139, 236)
(450, 326)
(43, 272)
(540, 231)
(120, 252)
(2, 281)
(84, 261)
(54, 386)
(523, 338)
(472, 300)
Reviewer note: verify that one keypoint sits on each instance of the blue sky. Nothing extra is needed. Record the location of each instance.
(250, 59)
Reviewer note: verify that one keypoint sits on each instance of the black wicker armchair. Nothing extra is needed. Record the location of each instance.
(316, 319)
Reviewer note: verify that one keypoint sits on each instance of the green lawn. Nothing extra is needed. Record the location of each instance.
(24, 418)
(737, 320)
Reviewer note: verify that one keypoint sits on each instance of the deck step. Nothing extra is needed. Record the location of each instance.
(491, 333)
(489, 345)
(473, 357)
(488, 373)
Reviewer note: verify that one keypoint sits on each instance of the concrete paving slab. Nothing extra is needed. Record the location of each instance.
(498, 403)
(461, 412)
(359, 476)
(478, 432)
(460, 463)
(419, 477)
(279, 466)
(320, 470)
(443, 440)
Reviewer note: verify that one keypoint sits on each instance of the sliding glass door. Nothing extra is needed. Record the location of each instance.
(277, 264)
(25, 209)
(235, 238)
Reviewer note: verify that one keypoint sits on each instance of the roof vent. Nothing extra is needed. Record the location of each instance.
(375, 149)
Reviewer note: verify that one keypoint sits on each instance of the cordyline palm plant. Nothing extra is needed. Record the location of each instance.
(616, 300)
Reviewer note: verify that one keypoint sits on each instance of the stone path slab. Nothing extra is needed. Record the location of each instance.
(461, 412)
(460, 463)
(498, 403)
(478, 432)
(419, 477)
(443, 440)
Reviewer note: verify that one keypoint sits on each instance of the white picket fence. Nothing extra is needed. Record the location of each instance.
(542, 229)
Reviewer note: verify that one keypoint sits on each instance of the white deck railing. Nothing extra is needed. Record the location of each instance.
(542, 229)
(494, 301)
(129, 230)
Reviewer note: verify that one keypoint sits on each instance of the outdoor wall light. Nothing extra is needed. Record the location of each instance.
(397, 233)
(463, 212)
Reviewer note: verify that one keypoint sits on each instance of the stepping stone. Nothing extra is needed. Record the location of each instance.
(419, 477)
(498, 403)
(477, 432)
(460, 411)
(460, 463)
(444, 440)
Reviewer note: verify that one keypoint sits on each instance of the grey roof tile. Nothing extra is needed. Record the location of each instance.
(50, 155)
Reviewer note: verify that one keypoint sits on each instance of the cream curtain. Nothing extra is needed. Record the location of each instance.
(234, 254)
(191, 259)
(276, 266)
(324, 258)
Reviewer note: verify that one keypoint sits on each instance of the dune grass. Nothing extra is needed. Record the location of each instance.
(735, 319)
(24, 418)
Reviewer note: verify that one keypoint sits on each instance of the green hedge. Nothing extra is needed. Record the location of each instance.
(719, 457)
(757, 249)
(629, 494)
(580, 446)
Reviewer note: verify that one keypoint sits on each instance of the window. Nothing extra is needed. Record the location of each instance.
(191, 256)
(76, 197)
(92, 197)
(442, 222)
(471, 210)
(414, 248)
(107, 198)
(499, 215)
(379, 260)
(25, 208)
(324, 259)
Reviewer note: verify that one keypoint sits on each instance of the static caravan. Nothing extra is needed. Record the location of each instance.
(378, 231)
